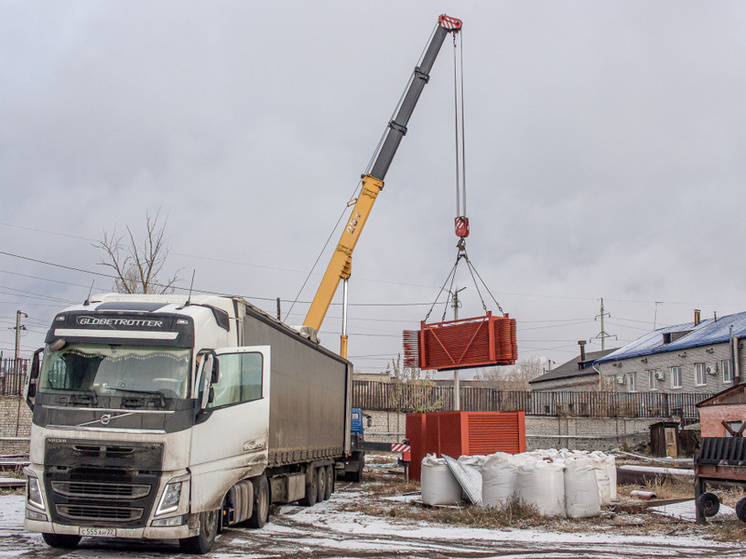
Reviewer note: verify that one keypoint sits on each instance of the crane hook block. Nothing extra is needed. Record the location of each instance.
(462, 227)
(450, 23)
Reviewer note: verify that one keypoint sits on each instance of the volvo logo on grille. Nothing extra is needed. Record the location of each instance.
(106, 418)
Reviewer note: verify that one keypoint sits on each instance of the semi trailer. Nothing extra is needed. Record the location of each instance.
(165, 417)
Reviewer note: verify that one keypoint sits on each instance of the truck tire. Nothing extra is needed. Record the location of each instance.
(741, 509)
(208, 531)
(260, 512)
(64, 541)
(321, 473)
(329, 482)
(312, 491)
(709, 503)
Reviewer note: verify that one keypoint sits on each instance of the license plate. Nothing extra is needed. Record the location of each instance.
(99, 532)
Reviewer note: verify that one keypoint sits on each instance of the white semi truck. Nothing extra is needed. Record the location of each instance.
(167, 418)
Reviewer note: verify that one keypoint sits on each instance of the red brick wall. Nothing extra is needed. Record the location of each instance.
(710, 418)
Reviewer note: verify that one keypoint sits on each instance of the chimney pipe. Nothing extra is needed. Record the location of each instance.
(582, 343)
(697, 317)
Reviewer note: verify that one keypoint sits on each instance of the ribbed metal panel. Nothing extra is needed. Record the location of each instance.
(459, 433)
(472, 342)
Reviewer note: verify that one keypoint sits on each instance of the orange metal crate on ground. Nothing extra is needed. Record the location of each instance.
(457, 433)
(459, 344)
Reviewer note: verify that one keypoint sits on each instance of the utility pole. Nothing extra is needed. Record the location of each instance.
(456, 376)
(18, 329)
(17, 364)
(655, 314)
(456, 302)
(603, 334)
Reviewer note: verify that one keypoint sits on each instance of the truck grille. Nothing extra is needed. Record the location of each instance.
(102, 484)
(97, 513)
(95, 490)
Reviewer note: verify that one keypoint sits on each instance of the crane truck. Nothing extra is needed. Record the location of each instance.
(169, 417)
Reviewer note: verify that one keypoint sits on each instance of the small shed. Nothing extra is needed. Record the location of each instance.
(664, 439)
(724, 414)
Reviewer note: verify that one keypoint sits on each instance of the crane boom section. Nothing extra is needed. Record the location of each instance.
(341, 262)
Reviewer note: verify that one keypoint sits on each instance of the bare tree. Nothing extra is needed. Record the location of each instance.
(413, 390)
(137, 265)
(514, 379)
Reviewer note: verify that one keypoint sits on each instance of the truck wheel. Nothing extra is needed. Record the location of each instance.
(64, 541)
(208, 531)
(710, 504)
(741, 509)
(321, 473)
(260, 512)
(312, 491)
(329, 481)
(357, 475)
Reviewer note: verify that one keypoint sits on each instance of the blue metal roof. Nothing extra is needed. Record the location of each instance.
(705, 333)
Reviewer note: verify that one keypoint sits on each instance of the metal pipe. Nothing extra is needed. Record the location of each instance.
(343, 337)
(736, 355)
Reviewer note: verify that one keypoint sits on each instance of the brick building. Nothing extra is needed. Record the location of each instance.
(701, 357)
(724, 414)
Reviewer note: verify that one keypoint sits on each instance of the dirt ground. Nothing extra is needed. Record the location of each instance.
(382, 518)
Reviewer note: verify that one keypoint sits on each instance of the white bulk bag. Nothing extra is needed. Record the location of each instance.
(542, 484)
(581, 488)
(499, 473)
(606, 477)
(437, 483)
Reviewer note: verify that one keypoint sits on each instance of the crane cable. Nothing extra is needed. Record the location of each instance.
(461, 221)
(458, 115)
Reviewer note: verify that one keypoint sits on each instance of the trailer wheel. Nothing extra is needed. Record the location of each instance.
(208, 531)
(260, 512)
(321, 473)
(329, 482)
(64, 541)
(710, 504)
(312, 491)
(741, 509)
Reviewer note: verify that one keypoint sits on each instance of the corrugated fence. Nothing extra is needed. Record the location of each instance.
(371, 395)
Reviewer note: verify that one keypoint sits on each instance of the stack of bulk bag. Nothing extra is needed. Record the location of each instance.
(542, 484)
(437, 483)
(499, 473)
(581, 487)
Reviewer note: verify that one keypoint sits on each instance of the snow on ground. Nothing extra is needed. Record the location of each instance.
(339, 529)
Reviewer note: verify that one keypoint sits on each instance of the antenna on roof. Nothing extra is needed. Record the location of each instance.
(191, 285)
(90, 291)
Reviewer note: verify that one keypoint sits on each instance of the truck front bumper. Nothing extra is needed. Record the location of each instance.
(150, 533)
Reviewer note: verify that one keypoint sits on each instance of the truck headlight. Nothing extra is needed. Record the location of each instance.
(170, 499)
(33, 492)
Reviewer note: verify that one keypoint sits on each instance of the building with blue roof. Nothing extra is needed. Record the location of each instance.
(703, 357)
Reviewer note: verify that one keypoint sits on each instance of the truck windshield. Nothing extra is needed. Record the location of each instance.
(116, 371)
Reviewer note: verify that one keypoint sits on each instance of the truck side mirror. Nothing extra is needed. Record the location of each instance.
(208, 374)
(33, 378)
(215, 375)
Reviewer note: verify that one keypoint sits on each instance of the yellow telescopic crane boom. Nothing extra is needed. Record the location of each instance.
(341, 262)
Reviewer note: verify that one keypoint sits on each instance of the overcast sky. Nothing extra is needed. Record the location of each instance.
(604, 149)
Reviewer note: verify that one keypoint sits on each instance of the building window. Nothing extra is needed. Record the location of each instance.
(700, 378)
(727, 370)
(632, 382)
(677, 377)
(652, 377)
